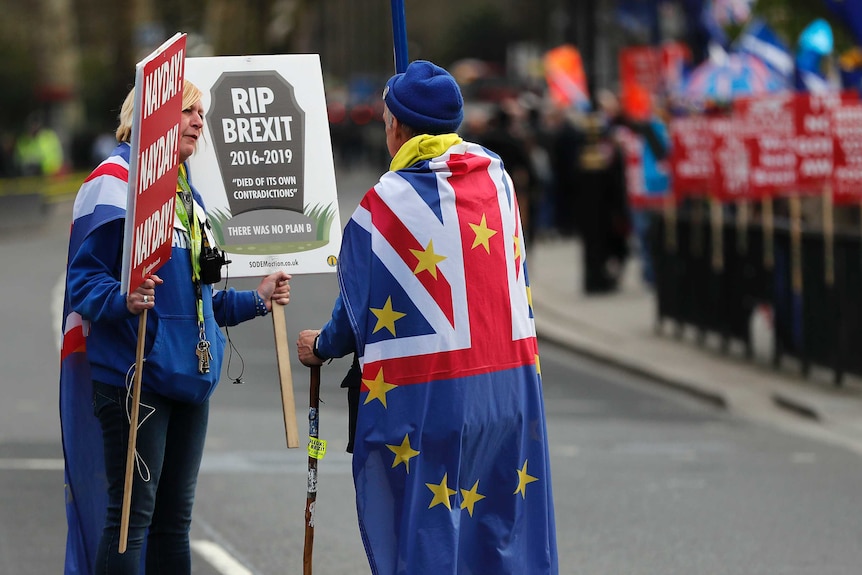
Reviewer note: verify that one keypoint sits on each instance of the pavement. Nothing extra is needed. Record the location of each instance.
(621, 329)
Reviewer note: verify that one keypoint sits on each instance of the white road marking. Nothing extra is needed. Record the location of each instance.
(45, 464)
(211, 552)
(220, 559)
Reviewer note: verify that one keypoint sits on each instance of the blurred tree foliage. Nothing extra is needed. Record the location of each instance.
(17, 76)
(481, 31)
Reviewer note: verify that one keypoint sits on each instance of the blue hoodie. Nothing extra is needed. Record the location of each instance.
(93, 291)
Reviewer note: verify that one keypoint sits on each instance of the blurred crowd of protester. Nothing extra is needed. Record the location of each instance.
(568, 167)
(573, 175)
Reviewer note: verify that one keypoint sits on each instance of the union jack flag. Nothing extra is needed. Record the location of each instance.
(101, 199)
(451, 460)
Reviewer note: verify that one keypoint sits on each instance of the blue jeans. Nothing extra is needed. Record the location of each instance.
(170, 443)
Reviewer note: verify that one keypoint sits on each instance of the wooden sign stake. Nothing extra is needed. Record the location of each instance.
(133, 433)
(285, 378)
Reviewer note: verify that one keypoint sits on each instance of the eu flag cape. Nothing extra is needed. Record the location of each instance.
(451, 462)
(101, 199)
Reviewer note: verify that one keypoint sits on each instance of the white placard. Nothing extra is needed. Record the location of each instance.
(264, 166)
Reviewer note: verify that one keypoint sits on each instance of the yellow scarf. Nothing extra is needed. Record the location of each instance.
(422, 147)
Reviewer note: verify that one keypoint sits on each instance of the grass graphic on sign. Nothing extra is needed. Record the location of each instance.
(321, 215)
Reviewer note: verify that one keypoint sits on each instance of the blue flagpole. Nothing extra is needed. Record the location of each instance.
(399, 35)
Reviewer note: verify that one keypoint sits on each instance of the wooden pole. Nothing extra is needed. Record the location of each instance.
(282, 353)
(133, 433)
(796, 244)
(311, 495)
(670, 224)
(828, 237)
(717, 220)
(768, 234)
(695, 246)
(742, 217)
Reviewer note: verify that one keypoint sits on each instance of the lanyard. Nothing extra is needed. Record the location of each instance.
(195, 233)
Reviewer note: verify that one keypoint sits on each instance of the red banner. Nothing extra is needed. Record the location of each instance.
(657, 70)
(790, 140)
(731, 170)
(814, 138)
(767, 125)
(691, 155)
(847, 159)
(153, 162)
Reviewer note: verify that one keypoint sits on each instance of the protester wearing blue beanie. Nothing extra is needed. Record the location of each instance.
(439, 239)
(425, 97)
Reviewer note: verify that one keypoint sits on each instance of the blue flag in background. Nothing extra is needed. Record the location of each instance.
(758, 39)
(815, 43)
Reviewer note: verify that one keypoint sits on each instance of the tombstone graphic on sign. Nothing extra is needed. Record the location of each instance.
(258, 132)
(264, 166)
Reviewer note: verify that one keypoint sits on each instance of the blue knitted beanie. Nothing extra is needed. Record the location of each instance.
(425, 97)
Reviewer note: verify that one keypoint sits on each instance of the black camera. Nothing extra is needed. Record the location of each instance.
(211, 262)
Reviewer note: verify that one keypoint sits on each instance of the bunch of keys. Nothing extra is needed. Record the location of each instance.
(203, 352)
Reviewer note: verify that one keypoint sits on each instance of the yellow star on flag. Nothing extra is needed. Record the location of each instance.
(517, 246)
(523, 480)
(483, 234)
(428, 260)
(441, 492)
(403, 453)
(386, 317)
(378, 388)
(471, 497)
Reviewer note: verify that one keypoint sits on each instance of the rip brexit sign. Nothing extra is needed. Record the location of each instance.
(258, 131)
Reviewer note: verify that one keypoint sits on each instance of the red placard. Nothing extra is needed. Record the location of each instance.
(814, 142)
(731, 170)
(847, 159)
(691, 161)
(767, 125)
(656, 69)
(153, 162)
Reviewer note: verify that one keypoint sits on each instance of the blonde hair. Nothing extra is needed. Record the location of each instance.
(124, 130)
(191, 94)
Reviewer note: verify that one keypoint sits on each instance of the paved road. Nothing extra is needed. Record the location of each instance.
(646, 481)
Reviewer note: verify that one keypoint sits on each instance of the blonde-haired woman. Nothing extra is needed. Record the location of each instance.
(97, 365)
